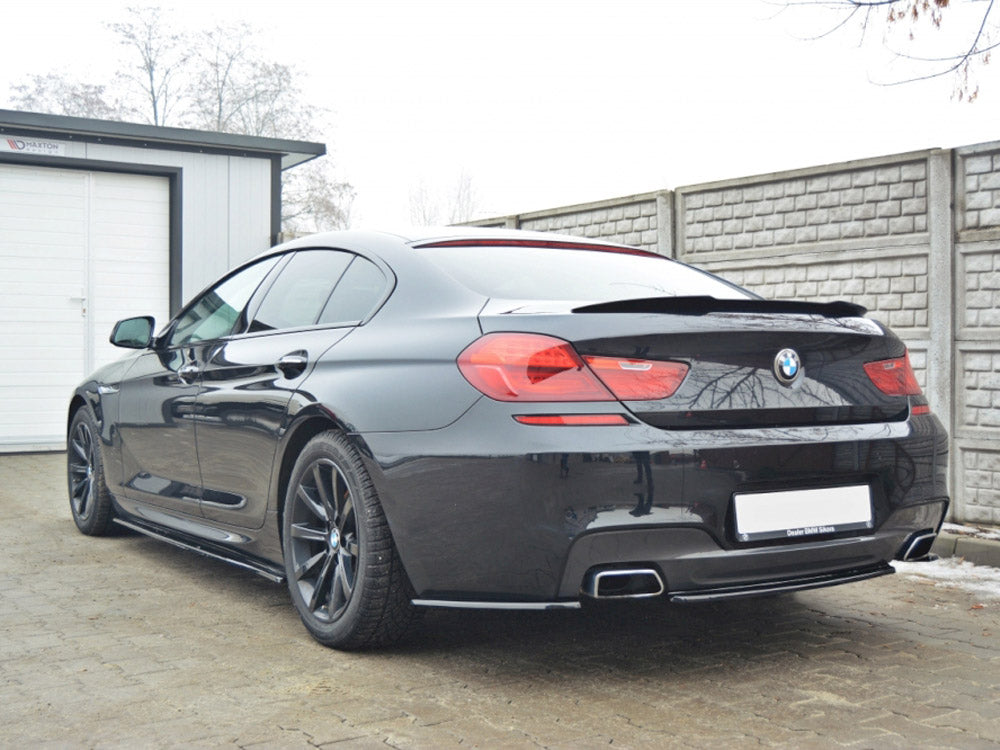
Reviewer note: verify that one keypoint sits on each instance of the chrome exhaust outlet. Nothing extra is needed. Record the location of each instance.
(631, 583)
(917, 547)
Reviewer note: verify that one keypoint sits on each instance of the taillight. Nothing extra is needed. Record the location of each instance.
(533, 367)
(638, 379)
(529, 367)
(894, 377)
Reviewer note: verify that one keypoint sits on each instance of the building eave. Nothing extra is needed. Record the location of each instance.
(85, 129)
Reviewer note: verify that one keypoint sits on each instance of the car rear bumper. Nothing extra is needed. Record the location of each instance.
(487, 512)
(695, 567)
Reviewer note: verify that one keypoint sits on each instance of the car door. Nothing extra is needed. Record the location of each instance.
(159, 397)
(250, 378)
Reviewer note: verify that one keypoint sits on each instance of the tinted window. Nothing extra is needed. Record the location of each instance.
(216, 312)
(359, 290)
(298, 295)
(579, 275)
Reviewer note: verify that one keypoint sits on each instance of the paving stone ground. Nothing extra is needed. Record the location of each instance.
(125, 642)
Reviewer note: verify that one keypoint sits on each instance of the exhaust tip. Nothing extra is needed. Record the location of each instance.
(917, 546)
(631, 583)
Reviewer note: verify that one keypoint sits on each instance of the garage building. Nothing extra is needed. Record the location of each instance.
(104, 220)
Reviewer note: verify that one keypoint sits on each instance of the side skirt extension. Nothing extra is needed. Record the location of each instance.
(269, 571)
(453, 604)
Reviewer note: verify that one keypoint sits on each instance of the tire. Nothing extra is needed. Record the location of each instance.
(89, 498)
(344, 574)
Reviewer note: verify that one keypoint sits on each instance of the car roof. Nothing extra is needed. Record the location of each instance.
(396, 248)
(423, 235)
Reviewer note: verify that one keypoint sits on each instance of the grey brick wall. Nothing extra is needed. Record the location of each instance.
(894, 289)
(976, 428)
(981, 187)
(630, 221)
(981, 377)
(982, 290)
(868, 202)
(913, 237)
(980, 470)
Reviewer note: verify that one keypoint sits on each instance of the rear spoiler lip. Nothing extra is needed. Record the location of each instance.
(704, 305)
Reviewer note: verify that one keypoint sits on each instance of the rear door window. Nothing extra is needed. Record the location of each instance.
(359, 292)
(302, 290)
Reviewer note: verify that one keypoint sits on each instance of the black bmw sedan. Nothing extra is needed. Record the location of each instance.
(492, 418)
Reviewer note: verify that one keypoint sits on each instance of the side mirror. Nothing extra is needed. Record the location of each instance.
(133, 333)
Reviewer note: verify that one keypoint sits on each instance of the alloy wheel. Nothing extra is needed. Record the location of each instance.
(324, 540)
(81, 470)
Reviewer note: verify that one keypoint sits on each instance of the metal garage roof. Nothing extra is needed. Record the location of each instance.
(152, 136)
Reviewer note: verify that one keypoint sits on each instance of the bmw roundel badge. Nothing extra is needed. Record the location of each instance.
(787, 366)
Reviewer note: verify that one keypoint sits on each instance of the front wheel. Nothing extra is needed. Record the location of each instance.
(89, 498)
(344, 575)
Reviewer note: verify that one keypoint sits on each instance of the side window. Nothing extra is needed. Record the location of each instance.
(297, 296)
(360, 289)
(216, 312)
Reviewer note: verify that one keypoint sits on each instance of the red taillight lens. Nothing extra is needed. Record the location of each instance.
(638, 379)
(533, 367)
(894, 377)
(529, 367)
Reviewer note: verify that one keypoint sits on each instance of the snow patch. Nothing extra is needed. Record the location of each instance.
(977, 531)
(953, 572)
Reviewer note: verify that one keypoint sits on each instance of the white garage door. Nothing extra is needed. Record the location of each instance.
(78, 251)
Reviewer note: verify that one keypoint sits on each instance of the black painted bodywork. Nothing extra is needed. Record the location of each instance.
(484, 509)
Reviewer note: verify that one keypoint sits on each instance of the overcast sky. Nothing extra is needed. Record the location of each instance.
(551, 103)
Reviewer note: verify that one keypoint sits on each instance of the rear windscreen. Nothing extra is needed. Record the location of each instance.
(527, 273)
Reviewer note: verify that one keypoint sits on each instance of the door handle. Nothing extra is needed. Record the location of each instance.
(188, 372)
(293, 364)
(82, 300)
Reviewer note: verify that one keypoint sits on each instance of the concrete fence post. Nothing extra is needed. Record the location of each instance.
(941, 356)
(665, 223)
(941, 285)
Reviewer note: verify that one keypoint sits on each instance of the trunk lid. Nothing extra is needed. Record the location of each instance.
(735, 378)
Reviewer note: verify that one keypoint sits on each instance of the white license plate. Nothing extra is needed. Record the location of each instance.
(797, 513)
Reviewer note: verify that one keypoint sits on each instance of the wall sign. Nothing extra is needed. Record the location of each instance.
(21, 145)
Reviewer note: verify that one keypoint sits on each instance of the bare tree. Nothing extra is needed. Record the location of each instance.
(233, 90)
(162, 54)
(463, 199)
(459, 204)
(905, 27)
(221, 57)
(425, 210)
(58, 94)
(313, 200)
(215, 80)
(272, 103)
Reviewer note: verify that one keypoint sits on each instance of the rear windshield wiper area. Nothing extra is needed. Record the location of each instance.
(704, 305)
